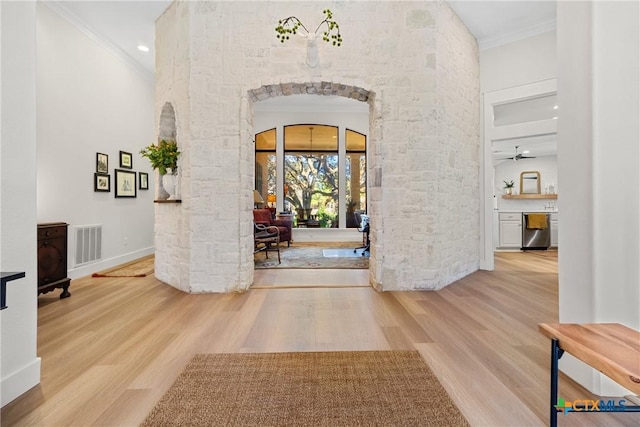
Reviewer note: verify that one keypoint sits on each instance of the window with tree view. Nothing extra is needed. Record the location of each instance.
(311, 174)
(355, 175)
(306, 180)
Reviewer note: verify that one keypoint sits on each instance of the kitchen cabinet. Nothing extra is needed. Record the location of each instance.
(553, 225)
(510, 226)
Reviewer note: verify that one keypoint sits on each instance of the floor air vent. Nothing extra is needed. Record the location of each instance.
(88, 240)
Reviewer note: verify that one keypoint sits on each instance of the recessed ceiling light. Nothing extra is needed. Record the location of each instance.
(526, 152)
(555, 118)
(143, 48)
(555, 107)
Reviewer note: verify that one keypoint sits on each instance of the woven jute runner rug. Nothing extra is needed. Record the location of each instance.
(139, 268)
(371, 388)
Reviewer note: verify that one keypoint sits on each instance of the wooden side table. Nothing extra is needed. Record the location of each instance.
(52, 258)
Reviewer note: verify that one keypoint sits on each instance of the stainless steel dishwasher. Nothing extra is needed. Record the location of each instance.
(536, 235)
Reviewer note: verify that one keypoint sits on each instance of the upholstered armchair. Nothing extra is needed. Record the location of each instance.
(265, 217)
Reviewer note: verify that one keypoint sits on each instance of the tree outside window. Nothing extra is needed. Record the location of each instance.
(311, 174)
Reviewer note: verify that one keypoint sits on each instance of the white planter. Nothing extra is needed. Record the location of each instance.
(169, 182)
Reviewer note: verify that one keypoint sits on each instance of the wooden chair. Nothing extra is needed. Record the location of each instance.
(363, 226)
(266, 238)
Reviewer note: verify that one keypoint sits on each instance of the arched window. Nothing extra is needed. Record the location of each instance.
(356, 175)
(312, 175)
(266, 164)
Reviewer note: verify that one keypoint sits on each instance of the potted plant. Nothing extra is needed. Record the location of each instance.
(164, 158)
(508, 187)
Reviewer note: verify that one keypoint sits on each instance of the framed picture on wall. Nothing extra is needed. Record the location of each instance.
(143, 180)
(102, 163)
(101, 182)
(125, 183)
(126, 160)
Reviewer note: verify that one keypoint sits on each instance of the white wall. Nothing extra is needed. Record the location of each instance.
(89, 101)
(20, 367)
(525, 61)
(508, 170)
(598, 134)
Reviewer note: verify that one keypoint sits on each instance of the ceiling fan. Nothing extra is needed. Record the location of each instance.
(517, 156)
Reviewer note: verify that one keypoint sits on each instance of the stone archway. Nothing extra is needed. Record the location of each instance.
(310, 88)
(424, 124)
(324, 88)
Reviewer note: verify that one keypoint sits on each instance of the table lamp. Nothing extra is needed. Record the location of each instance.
(257, 199)
(271, 199)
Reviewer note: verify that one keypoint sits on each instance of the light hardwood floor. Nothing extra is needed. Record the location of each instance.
(111, 350)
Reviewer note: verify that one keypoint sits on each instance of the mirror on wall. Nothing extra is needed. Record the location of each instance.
(530, 182)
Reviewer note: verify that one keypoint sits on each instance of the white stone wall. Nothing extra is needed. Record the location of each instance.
(458, 86)
(172, 221)
(413, 62)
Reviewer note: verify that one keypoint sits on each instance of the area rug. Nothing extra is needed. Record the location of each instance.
(141, 267)
(316, 255)
(355, 388)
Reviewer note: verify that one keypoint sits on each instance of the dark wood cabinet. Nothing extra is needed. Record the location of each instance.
(52, 258)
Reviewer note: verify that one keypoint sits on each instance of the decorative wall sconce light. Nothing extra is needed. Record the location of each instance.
(291, 25)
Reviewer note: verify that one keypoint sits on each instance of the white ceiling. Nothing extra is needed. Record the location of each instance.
(536, 146)
(494, 23)
(125, 24)
(119, 25)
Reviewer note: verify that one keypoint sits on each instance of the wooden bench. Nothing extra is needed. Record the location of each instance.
(611, 348)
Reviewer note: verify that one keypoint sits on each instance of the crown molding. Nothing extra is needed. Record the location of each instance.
(100, 39)
(530, 31)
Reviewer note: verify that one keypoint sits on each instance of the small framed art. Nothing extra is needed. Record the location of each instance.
(102, 163)
(126, 160)
(143, 181)
(125, 183)
(101, 182)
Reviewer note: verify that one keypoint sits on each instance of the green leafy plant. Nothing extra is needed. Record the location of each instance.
(325, 218)
(509, 184)
(163, 156)
(292, 24)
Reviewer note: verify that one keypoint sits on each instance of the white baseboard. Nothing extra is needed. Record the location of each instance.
(589, 378)
(20, 382)
(86, 270)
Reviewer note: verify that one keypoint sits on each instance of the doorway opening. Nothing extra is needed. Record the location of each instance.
(520, 140)
(313, 149)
